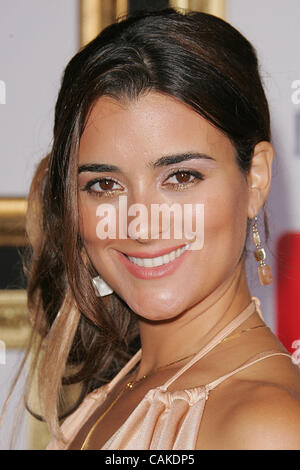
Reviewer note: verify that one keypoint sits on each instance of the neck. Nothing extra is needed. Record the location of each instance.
(164, 342)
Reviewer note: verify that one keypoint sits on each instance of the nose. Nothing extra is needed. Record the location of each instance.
(142, 225)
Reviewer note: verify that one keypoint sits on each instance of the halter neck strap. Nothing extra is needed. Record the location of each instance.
(254, 305)
(237, 321)
(125, 370)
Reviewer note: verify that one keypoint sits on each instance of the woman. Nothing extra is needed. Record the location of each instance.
(161, 332)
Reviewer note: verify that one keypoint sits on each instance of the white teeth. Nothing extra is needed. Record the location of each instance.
(148, 262)
(166, 258)
(159, 260)
(139, 262)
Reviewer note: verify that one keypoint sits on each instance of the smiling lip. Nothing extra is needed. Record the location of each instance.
(154, 272)
(144, 254)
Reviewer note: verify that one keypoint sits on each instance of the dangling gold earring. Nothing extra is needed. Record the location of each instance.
(264, 270)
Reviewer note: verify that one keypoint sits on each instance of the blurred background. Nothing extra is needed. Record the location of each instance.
(37, 39)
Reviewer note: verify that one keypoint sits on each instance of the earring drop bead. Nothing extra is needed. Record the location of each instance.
(260, 254)
(264, 271)
(265, 274)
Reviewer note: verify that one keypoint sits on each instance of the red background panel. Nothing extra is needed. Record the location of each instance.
(288, 289)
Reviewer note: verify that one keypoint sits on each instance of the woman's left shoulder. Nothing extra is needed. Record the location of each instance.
(268, 418)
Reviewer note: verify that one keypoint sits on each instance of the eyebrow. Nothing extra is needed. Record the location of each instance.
(181, 157)
(163, 161)
(97, 168)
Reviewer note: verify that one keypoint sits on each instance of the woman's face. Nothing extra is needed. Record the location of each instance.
(132, 140)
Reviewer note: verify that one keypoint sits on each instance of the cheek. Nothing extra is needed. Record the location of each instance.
(88, 224)
(88, 228)
(98, 231)
(226, 221)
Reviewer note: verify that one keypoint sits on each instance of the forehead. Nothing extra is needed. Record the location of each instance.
(153, 123)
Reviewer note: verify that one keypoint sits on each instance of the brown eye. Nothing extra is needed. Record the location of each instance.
(106, 185)
(182, 177)
(103, 186)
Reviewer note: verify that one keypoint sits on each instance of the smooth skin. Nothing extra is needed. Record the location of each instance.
(258, 408)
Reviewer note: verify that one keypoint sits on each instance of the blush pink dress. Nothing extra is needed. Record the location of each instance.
(163, 420)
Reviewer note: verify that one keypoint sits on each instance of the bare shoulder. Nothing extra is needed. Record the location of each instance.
(257, 408)
(268, 418)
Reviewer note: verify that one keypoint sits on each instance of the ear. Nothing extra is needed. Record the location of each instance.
(259, 177)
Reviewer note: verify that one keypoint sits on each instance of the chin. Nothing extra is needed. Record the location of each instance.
(156, 308)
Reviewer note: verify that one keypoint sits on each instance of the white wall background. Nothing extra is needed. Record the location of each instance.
(37, 37)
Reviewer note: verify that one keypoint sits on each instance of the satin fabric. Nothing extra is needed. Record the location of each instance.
(163, 420)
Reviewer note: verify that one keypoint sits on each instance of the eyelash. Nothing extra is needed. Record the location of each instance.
(181, 186)
(102, 193)
(177, 186)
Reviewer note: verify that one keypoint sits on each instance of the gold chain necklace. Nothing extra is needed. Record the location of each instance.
(130, 385)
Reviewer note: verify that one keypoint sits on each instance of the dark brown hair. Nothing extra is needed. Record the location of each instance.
(195, 57)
